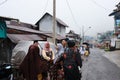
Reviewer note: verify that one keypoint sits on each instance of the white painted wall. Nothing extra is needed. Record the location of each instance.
(50, 39)
(46, 24)
(61, 30)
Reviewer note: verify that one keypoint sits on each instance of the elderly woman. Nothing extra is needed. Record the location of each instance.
(47, 52)
(48, 55)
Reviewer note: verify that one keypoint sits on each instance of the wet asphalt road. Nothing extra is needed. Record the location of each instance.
(99, 67)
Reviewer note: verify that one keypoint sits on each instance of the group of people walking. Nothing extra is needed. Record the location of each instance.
(37, 63)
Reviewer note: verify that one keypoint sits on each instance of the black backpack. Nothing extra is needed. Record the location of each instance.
(69, 60)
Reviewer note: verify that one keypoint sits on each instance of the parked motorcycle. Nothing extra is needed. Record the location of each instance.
(6, 72)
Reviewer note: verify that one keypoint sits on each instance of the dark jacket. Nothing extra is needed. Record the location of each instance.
(71, 61)
(31, 65)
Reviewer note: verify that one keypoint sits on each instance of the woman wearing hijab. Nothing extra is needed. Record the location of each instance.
(31, 65)
(48, 55)
(47, 52)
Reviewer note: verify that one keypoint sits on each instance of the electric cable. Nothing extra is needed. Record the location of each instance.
(71, 13)
(99, 5)
(3, 2)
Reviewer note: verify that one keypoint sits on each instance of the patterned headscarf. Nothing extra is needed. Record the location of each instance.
(47, 46)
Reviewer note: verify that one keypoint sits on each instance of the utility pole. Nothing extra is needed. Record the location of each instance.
(54, 21)
(82, 34)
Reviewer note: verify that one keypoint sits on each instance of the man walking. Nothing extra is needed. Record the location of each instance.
(71, 62)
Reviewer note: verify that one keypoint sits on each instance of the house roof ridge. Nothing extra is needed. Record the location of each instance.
(57, 19)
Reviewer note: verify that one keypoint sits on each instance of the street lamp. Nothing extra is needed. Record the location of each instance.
(83, 32)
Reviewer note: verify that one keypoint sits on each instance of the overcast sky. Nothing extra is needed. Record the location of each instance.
(75, 13)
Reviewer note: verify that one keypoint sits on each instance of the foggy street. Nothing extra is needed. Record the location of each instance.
(40, 39)
(99, 67)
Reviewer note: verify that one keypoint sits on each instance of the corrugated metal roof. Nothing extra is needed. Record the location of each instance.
(58, 37)
(113, 13)
(49, 34)
(15, 38)
(61, 22)
(8, 18)
(27, 30)
(70, 35)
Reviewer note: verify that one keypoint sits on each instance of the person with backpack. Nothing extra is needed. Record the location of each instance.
(71, 62)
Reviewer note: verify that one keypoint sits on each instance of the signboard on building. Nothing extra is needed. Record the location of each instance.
(2, 29)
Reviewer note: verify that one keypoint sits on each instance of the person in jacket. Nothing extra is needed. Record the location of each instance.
(72, 62)
(31, 65)
(60, 48)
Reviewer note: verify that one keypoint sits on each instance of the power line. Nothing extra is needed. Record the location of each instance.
(71, 13)
(99, 5)
(3, 2)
